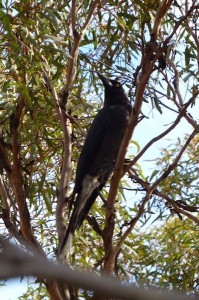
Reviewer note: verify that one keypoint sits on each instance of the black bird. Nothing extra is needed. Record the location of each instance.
(99, 154)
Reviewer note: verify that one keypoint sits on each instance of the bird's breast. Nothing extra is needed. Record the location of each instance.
(119, 116)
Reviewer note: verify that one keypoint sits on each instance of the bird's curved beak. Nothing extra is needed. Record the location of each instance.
(104, 79)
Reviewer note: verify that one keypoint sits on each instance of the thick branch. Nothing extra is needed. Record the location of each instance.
(65, 177)
(161, 12)
(15, 263)
(147, 68)
(16, 180)
(73, 16)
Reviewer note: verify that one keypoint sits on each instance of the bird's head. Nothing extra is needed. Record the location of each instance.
(114, 92)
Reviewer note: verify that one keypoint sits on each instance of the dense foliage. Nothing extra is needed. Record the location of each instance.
(156, 218)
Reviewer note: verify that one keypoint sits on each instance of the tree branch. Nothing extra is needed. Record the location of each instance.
(174, 204)
(66, 164)
(181, 114)
(161, 12)
(109, 225)
(90, 15)
(194, 35)
(151, 189)
(6, 214)
(175, 162)
(16, 180)
(73, 16)
(176, 91)
(15, 263)
(182, 19)
(77, 38)
(4, 160)
(65, 121)
(147, 65)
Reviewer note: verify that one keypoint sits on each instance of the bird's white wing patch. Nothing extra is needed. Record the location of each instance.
(89, 184)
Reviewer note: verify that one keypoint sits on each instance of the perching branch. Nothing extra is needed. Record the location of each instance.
(118, 172)
(147, 65)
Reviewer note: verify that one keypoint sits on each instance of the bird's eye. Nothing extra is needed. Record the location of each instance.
(117, 85)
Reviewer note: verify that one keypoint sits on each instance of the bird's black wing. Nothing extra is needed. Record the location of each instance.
(92, 145)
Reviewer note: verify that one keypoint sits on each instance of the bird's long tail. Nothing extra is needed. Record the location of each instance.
(68, 238)
(84, 200)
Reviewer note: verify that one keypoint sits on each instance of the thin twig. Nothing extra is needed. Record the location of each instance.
(176, 84)
(175, 162)
(90, 15)
(173, 203)
(194, 35)
(160, 136)
(182, 19)
(6, 213)
(150, 190)
(77, 38)
(190, 120)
